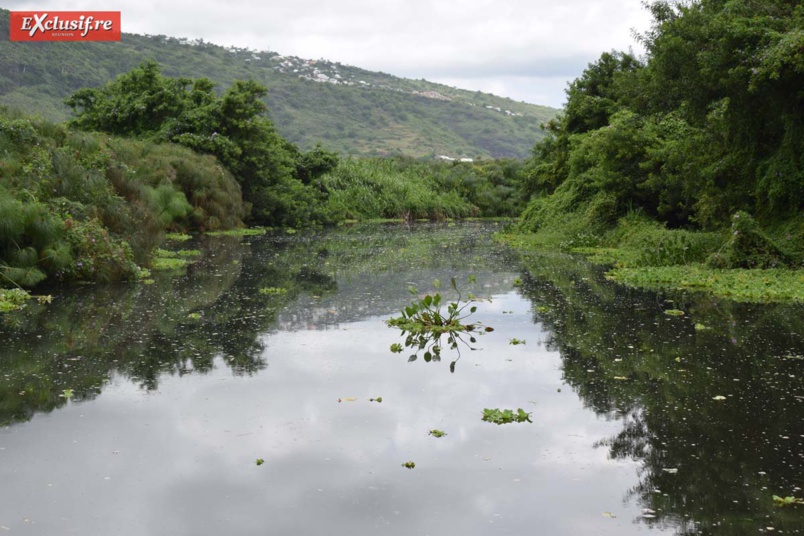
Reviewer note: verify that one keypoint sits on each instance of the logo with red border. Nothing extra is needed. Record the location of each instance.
(65, 26)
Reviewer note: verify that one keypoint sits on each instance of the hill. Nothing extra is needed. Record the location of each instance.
(345, 108)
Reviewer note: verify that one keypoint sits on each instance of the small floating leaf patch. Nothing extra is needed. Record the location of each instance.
(505, 416)
(786, 501)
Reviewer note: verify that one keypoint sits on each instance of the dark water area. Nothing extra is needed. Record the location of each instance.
(237, 399)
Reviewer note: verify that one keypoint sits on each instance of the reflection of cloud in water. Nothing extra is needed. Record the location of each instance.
(185, 461)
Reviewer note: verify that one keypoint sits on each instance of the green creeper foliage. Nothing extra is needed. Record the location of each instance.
(748, 247)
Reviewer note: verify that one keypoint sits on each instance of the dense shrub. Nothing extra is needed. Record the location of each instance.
(84, 206)
(748, 247)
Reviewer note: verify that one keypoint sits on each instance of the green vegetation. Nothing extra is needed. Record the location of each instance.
(370, 189)
(177, 237)
(87, 206)
(651, 160)
(272, 290)
(739, 284)
(90, 207)
(437, 433)
(787, 501)
(505, 416)
(245, 231)
(146, 105)
(424, 322)
(165, 260)
(409, 465)
(12, 299)
(701, 401)
(364, 113)
(425, 315)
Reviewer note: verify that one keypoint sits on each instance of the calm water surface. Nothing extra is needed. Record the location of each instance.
(143, 409)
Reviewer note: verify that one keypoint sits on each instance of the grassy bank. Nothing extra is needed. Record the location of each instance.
(743, 262)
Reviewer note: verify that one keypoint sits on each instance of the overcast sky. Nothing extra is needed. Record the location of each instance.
(524, 49)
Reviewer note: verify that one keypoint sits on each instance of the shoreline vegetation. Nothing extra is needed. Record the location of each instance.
(682, 169)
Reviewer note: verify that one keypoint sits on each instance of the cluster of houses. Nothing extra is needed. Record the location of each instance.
(506, 112)
(451, 159)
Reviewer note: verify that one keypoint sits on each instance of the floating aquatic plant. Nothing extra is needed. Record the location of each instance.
(786, 501)
(505, 416)
(426, 320)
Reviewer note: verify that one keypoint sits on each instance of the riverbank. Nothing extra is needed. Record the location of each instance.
(742, 263)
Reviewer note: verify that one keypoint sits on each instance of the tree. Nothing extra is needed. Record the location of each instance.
(232, 127)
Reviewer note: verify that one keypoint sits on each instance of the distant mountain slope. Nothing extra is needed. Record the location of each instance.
(347, 109)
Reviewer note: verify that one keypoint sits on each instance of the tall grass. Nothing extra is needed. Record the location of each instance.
(85, 206)
(381, 188)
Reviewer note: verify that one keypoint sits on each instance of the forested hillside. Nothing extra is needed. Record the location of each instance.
(346, 109)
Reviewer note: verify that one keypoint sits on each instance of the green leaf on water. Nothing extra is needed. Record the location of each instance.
(67, 393)
(437, 433)
(505, 416)
(786, 501)
(260, 461)
(408, 465)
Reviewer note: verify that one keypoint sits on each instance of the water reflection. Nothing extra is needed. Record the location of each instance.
(178, 387)
(710, 403)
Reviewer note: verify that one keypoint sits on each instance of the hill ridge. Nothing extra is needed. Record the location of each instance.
(345, 108)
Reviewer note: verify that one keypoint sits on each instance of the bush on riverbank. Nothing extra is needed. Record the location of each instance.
(80, 206)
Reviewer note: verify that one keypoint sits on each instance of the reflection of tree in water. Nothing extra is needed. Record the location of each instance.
(375, 265)
(178, 325)
(707, 465)
(215, 315)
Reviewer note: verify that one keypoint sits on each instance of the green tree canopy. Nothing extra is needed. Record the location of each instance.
(231, 126)
(711, 122)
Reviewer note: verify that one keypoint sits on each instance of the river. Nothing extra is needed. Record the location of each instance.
(242, 397)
